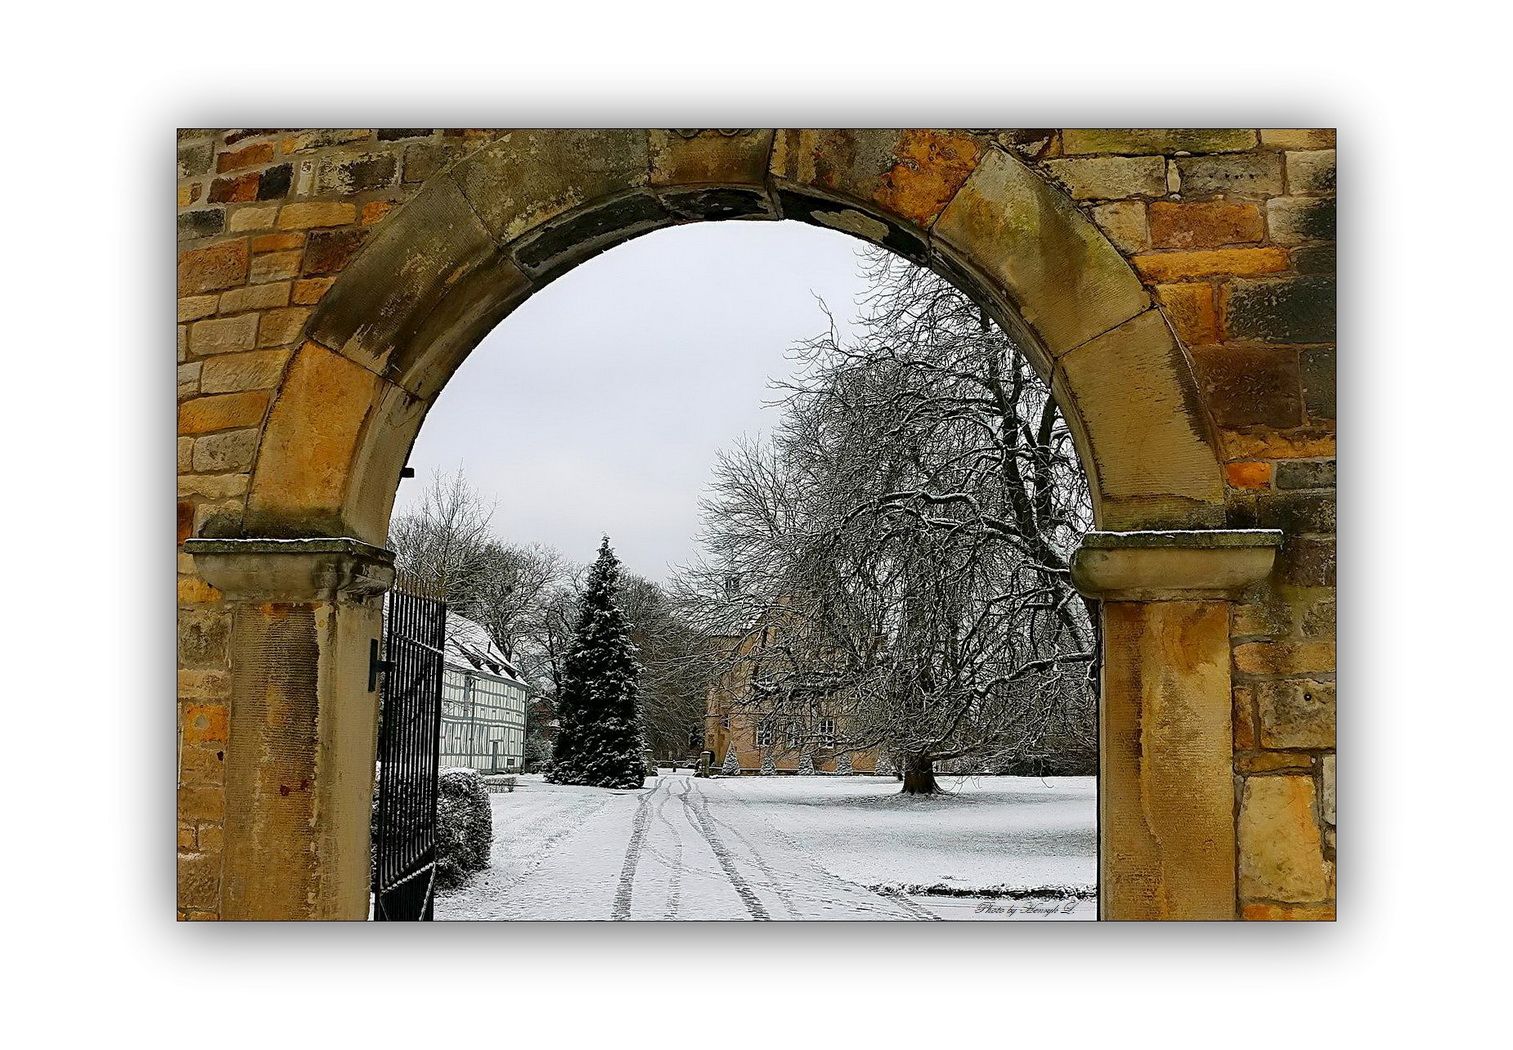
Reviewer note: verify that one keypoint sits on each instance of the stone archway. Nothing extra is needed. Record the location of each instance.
(300, 562)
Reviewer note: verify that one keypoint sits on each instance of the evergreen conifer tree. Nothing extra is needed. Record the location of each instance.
(599, 724)
(732, 765)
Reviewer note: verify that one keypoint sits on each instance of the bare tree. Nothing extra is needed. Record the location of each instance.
(445, 539)
(903, 541)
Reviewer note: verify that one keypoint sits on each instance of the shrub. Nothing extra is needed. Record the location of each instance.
(464, 827)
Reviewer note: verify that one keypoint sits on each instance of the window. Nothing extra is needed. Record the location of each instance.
(794, 735)
(732, 584)
(764, 732)
(725, 721)
(827, 732)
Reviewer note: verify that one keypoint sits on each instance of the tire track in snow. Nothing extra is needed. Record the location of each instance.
(777, 885)
(675, 865)
(700, 813)
(633, 857)
(911, 908)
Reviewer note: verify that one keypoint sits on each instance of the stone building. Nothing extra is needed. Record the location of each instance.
(1176, 287)
(737, 723)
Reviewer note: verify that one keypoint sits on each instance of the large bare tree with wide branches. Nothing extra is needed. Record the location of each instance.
(902, 542)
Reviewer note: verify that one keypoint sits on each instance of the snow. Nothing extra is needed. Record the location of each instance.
(787, 847)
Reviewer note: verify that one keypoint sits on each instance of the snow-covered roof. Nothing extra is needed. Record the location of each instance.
(470, 648)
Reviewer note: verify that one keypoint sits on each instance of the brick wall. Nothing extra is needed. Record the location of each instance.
(1232, 230)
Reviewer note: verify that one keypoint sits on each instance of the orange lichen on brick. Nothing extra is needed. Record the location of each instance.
(1248, 474)
(205, 723)
(931, 166)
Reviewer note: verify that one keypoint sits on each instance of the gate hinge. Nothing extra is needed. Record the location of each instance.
(375, 665)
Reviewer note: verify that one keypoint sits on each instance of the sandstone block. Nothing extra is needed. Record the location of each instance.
(1243, 174)
(428, 284)
(254, 217)
(202, 804)
(281, 327)
(1296, 714)
(312, 432)
(253, 370)
(194, 307)
(1307, 561)
(1298, 138)
(1267, 912)
(222, 335)
(308, 215)
(1063, 276)
(275, 266)
(1318, 383)
(1250, 387)
(199, 882)
(526, 177)
(1125, 223)
(1284, 658)
(203, 635)
(1110, 178)
(1192, 310)
(256, 155)
(308, 291)
(1205, 224)
(911, 173)
(194, 158)
(215, 267)
(205, 723)
(1306, 474)
(1293, 220)
(202, 765)
(254, 297)
(1281, 310)
(318, 138)
(234, 189)
(203, 415)
(329, 251)
(1108, 388)
(347, 174)
(1156, 140)
(1281, 853)
(277, 242)
(424, 159)
(212, 486)
(1311, 171)
(1327, 779)
(189, 380)
(218, 453)
(204, 222)
(1218, 262)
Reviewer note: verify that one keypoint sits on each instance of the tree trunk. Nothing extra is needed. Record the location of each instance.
(919, 775)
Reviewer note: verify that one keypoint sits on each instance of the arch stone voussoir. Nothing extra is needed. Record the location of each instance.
(1147, 445)
(896, 180)
(1026, 241)
(304, 466)
(431, 278)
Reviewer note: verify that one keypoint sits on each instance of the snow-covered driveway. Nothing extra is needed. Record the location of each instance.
(787, 848)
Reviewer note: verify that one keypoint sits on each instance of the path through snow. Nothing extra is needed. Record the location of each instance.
(785, 848)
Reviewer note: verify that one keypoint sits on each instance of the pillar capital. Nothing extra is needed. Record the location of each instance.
(1199, 565)
(321, 568)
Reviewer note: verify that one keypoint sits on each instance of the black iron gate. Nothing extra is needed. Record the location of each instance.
(409, 743)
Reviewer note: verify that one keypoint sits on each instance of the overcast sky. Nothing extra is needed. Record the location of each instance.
(598, 406)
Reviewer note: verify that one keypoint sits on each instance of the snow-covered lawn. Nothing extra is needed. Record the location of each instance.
(788, 848)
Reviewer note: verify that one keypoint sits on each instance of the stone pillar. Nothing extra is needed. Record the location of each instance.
(1166, 795)
(300, 752)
